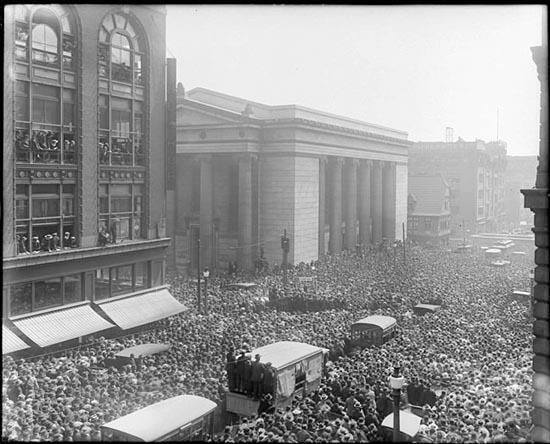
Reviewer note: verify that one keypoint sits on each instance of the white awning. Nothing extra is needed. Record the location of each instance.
(142, 309)
(62, 325)
(11, 342)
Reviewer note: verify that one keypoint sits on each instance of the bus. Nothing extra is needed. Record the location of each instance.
(181, 418)
(298, 369)
(372, 330)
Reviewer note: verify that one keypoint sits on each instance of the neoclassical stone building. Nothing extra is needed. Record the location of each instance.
(247, 171)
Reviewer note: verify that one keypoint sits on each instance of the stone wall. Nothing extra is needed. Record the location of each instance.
(276, 205)
(306, 210)
(400, 200)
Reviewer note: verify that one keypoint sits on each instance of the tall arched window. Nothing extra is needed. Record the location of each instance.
(121, 118)
(122, 93)
(46, 128)
(45, 89)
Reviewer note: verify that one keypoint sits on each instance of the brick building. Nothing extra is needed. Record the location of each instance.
(248, 171)
(84, 172)
(429, 214)
(475, 174)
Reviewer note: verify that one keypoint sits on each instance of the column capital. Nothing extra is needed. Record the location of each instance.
(339, 161)
(323, 159)
(366, 162)
(352, 161)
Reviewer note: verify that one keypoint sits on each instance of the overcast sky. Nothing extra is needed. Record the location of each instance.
(413, 68)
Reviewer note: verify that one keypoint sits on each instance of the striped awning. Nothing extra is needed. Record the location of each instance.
(58, 326)
(142, 309)
(11, 342)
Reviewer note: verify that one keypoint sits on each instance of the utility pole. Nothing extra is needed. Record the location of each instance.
(285, 246)
(206, 274)
(199, 273)
(404, 246)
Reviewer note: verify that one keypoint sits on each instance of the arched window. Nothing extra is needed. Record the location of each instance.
(46, 129)
(44, 44)
(121, 111)
(45, 89)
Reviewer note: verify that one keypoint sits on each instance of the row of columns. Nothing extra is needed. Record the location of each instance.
(244, 256)
(374, 199)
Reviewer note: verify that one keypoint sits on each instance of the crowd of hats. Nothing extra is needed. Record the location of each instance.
(477, 350)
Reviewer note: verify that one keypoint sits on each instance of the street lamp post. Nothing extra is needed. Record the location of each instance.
(206, 275)
(396, 383)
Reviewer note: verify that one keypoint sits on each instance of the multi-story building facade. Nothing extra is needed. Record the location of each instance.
(84, 171)
(475, 173)
(248, 171)
(429, 214)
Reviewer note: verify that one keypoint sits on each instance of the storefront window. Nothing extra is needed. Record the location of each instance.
(102, 286)
(47, 293)
(20, 299)
(122, 281)
(72, 288)
(142, 275)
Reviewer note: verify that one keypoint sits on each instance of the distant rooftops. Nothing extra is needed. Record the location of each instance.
(282, 112)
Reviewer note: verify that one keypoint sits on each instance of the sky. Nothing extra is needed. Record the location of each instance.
(418, 69)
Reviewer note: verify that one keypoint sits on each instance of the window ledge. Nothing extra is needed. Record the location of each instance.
(82, 253)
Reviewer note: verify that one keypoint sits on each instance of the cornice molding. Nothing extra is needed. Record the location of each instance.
(343, 129)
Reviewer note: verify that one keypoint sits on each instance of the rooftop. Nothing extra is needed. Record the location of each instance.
(265, 112)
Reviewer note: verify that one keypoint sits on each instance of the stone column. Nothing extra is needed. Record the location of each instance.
(364, 202)
(335, 241)
(537, 200)
(206, 211)
(322, 204)
(376, 209)
(245, 212)
(388, 200)
(350, 179)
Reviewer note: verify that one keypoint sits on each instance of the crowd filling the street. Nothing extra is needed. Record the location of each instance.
(467, 366)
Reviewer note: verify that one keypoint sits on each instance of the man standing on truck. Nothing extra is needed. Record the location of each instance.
(269, 378)
(239, 380)
(230, 369)
(257, 377)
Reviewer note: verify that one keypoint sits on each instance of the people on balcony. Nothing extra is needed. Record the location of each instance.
(22, 244)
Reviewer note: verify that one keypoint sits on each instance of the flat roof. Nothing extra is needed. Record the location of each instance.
(383, 322)
(159, 419)
(283, 353)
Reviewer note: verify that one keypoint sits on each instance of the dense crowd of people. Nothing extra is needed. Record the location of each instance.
(474, 355)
